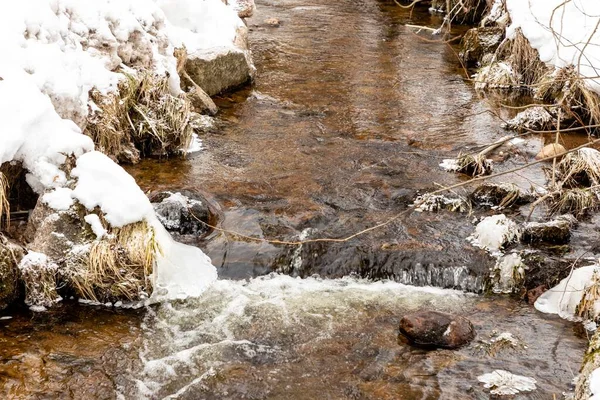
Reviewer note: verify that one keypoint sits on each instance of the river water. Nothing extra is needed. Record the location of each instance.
(350, 114)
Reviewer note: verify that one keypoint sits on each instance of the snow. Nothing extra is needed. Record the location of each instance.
(449, 164)
(54, 53)
(59, 199)
(504, 383)
(94, 221)
(595, 384)
(559, 30)
(494, 232)
(508, 268)
(102, 183)
(191, 28)
(564, 298)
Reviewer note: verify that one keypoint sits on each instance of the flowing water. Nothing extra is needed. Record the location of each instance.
(350, 114)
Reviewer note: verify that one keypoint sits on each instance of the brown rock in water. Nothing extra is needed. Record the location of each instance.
(533, 294)
(551, 150)
(437, 329)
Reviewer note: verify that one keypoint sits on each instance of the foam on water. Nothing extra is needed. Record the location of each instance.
(263, 319)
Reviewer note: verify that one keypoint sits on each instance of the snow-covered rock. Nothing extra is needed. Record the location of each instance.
(494, 232)
(56, 52)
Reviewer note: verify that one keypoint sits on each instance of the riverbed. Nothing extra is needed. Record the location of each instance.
(347, 121)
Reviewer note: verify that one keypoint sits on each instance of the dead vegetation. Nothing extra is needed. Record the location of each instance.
(117, 267)
(568, 89)
(4, 203)
(142, 119)
(586, 308)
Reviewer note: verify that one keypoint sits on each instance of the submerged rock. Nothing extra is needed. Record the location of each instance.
(437, 329)
(10, 256)
(557, 231)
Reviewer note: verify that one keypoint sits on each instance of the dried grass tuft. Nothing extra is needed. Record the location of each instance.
(143, 118)
(586, 308)
(567, 88)
(4, 203)
(574, 201)
(117, 267)
(579, 168)
(474, 165)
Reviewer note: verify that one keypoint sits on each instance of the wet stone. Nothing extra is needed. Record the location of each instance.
(557, 231)
(184, 212)
(435, 329)
(533, 294)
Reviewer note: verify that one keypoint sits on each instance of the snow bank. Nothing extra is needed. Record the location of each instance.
(54, 53)
(564, 298)
(560, 30)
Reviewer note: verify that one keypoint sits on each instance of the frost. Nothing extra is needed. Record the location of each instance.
(503, 383)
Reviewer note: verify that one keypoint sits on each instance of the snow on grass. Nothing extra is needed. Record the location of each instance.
(560, 31)
(54, 53)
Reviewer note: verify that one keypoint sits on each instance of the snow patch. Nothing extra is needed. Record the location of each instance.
(504, 383)
(494, 232)
(564, 298)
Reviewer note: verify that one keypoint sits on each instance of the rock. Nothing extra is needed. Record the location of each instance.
(480, 41)
(437, 329)
(551, 150)
(533, 294)
(220, 69)
(10, 256)
(557, 231)
(500, 195)
(533, 118)
(274, 22)
(201, 101)
(182, 212)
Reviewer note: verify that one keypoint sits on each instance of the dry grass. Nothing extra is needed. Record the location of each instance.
(523, 59)
(474, 165)
(575, 201)
(579, 168)
(4, 203)
(503, 195)
(514, 65)
(117, 267)
(144, 118)
(591, 294)
(567, 88)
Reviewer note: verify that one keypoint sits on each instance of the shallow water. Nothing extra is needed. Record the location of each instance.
(348, 119)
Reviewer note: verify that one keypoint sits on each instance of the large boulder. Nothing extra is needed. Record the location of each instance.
(435, 329)
(220, 69)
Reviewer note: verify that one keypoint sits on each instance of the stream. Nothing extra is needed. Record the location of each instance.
(347, 121)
